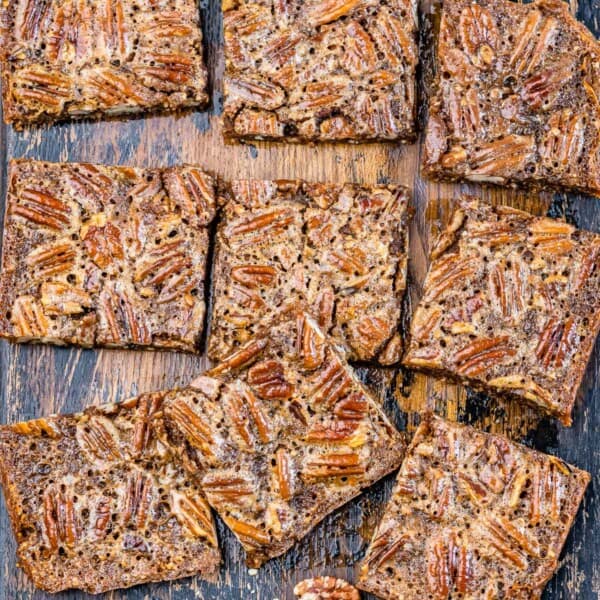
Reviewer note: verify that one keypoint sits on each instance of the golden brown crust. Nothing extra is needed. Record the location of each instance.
(473, 515)
(63, 59)
(510, 106)
(316, 71)
(510, 305)
(97, 502)
(105, 256)
(280, 434)
(342, 248)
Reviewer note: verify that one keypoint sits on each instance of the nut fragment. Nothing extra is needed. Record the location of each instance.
(325, 588)
(194, 514)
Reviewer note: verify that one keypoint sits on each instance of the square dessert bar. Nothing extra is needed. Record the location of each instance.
(342, 248)
(320, 70)
(515, 99)
(97, 502)
(473, 515)
(510, 306)
(63, 59)
(280, 434)
(107, 256)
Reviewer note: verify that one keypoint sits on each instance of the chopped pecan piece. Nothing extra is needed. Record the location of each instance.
(194, 514)
(28, 319)
(509, 106)
(488, 536)
(504, 306)
(197, 433)
(63, 299)
(325, 588)
(479, 35)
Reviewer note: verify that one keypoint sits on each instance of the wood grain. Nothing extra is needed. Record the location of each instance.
(37, 380)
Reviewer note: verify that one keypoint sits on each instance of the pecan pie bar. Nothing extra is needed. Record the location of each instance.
(343, 248)
(107, 256)
(280, 434)
(97, 502)
(511, 306)
(516, 97)
(473, 515)
(63, 59)
(320, 70)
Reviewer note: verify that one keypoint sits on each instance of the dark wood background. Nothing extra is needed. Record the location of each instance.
(37, 380)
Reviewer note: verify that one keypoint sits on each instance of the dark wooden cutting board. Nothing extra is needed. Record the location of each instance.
(37, 380)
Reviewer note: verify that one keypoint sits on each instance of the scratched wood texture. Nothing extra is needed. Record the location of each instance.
(37, 380)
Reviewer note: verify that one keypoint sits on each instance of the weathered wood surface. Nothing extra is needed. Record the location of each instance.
(37, 380)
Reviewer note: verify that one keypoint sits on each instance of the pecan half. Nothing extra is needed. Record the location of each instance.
(139, 495)
(104, 244)
(334, 465)
(310, 344)
(41, 208)
(479, 35)
(254, 276)
(147, 410)
(267, 378)
(193, 513)
(482, 354)
(51, 259)
(332, 383)
(99, 439)
(60, 523)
